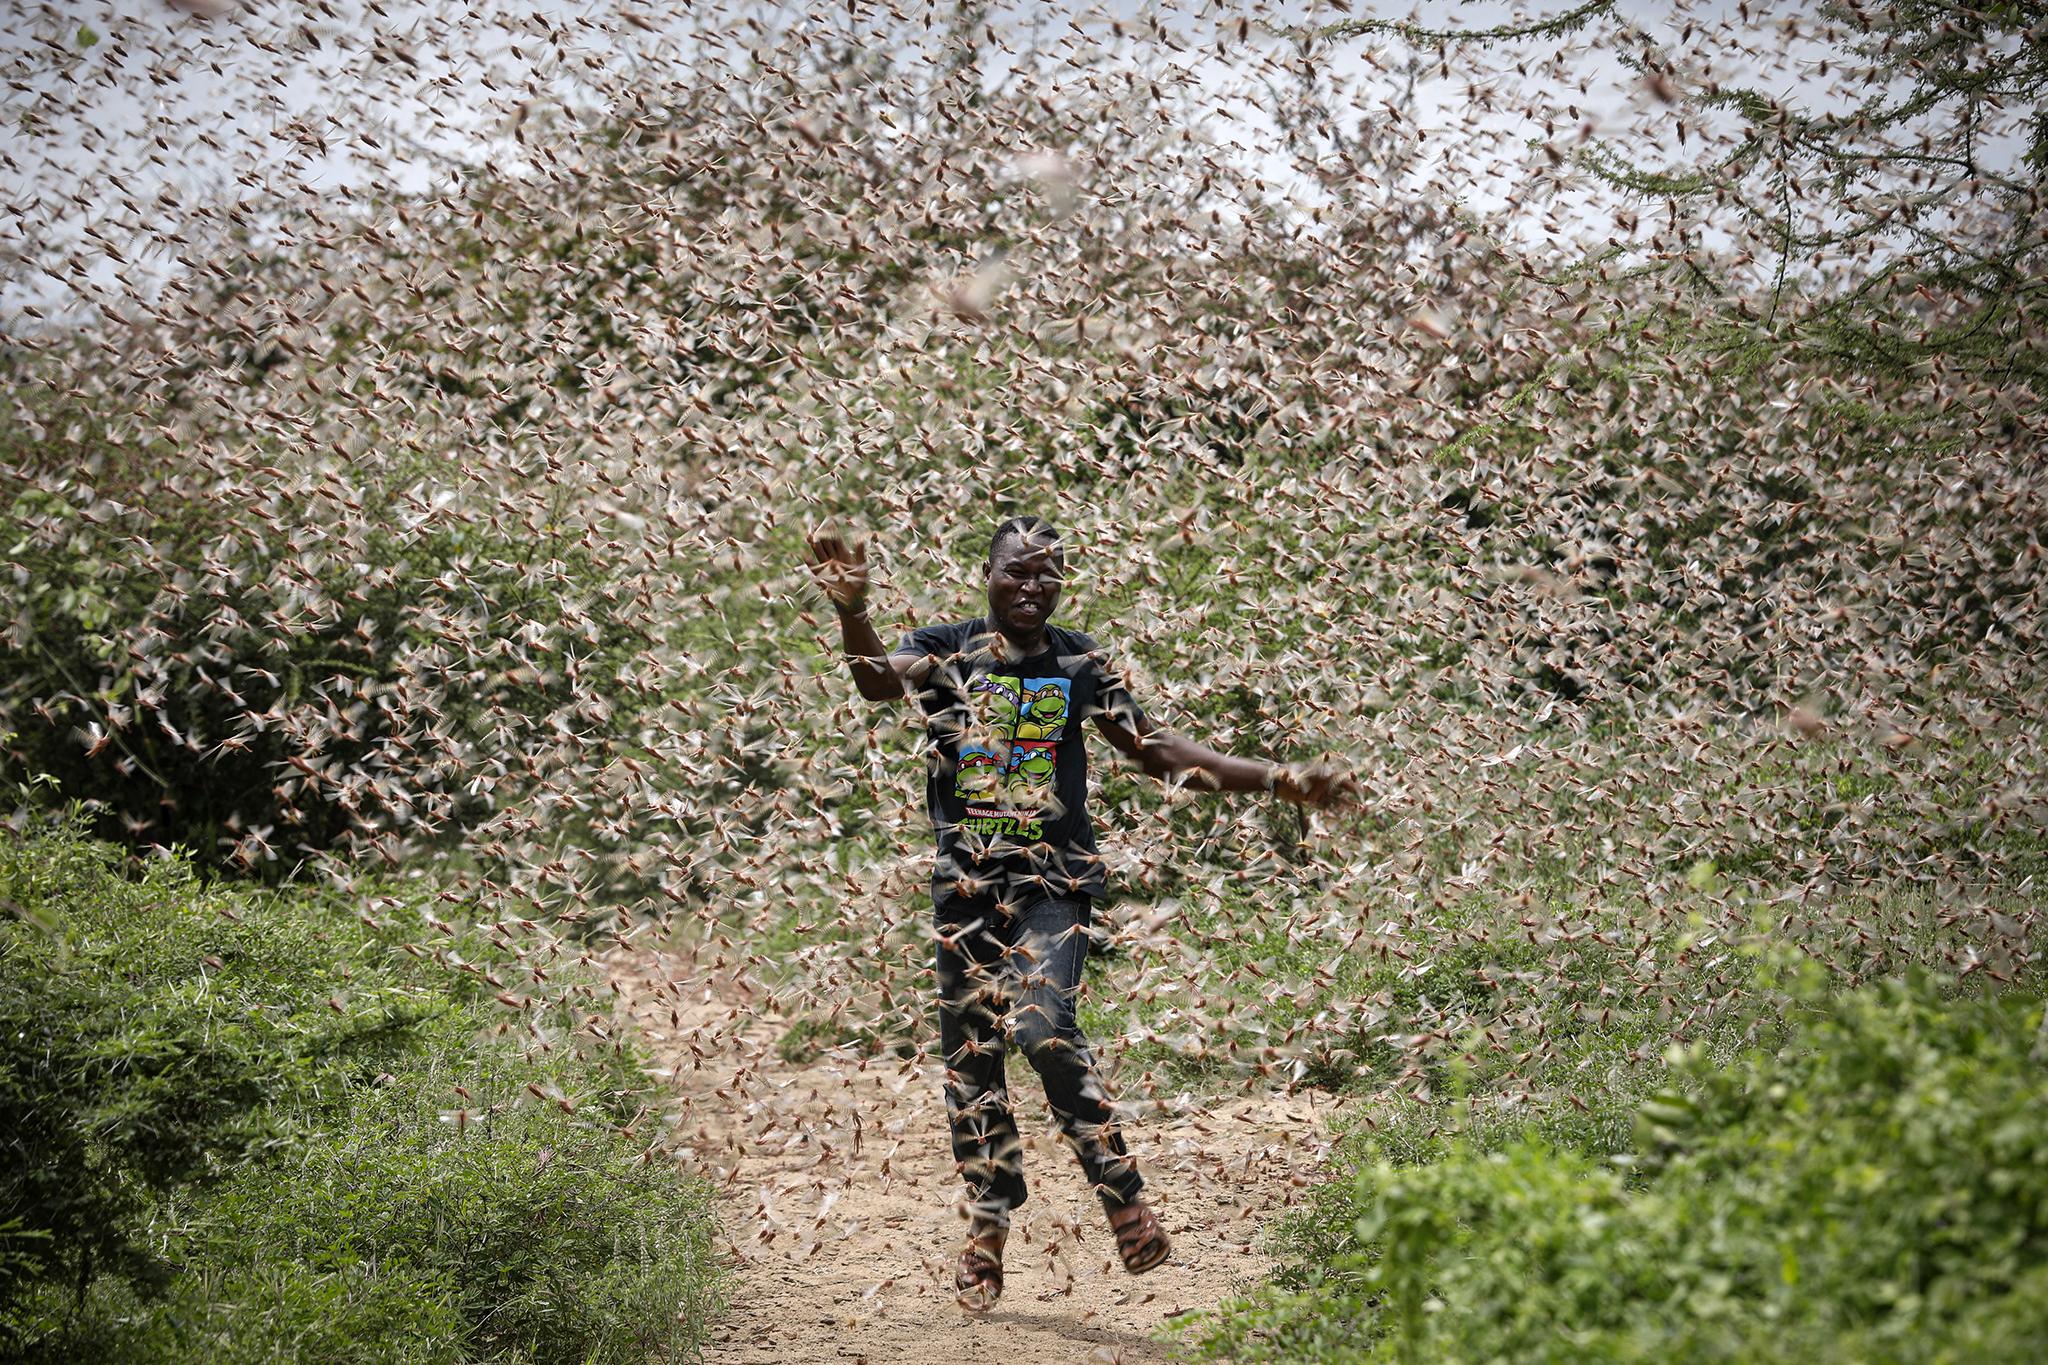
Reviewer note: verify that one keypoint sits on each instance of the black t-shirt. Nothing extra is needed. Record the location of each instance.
(1008, 769)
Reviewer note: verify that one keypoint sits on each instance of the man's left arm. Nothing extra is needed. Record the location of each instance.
(1165, 755)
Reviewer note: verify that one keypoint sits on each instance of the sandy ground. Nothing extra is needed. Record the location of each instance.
(838, 1195)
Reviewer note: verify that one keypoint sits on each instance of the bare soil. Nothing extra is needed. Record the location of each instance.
(839, 1196)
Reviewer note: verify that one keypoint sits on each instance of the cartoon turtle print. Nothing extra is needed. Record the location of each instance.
(1045, 717)
(1031, 773)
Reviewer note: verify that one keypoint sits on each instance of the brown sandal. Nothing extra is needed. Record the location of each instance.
(1140, 1240)
(978, 1275)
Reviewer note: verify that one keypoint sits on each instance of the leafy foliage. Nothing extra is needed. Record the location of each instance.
(234, 1133)
(244, 691)
(1870, 1186)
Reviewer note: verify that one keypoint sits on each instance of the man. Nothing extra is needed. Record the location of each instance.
(1017, 871)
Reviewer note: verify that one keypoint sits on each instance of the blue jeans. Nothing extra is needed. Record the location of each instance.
(1012, 979)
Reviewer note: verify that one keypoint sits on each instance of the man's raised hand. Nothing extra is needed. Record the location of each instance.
(840, 568)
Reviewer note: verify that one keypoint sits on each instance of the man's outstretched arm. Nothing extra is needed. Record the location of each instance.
(1165, 755)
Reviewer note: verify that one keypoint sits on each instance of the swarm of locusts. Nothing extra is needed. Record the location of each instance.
(416, 414)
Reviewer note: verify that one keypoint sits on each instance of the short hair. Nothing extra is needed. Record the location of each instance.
(1037, 531)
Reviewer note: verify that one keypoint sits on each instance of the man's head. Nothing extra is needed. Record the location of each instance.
(1026, 565)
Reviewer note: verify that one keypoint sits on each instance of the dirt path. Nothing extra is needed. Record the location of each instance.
(838, 1196)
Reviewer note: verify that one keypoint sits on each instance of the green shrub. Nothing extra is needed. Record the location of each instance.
(232, 1131)
(1875, 1189)
(135, 1048)
(204, 674)
(526, 1237)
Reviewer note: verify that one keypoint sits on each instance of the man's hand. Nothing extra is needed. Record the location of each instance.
(841, 569)
(1321, 785)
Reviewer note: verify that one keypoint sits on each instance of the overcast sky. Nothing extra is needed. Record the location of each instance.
(122, 119)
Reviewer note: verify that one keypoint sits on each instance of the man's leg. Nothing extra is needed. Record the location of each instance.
(985, 1141)
(1051, 945)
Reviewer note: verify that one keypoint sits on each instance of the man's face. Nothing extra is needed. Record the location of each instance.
(1024, 580)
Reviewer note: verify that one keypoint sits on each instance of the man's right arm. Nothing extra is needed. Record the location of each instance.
(841, 569)
(877, 674)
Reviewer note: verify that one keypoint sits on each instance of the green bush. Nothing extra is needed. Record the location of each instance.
(232, 1131)
(200, 677)
(135, 1050)
(1874, 1189)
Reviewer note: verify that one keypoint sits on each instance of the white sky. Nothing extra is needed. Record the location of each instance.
(125, 121)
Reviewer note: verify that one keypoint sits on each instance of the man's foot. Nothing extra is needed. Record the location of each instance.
(978, 1274)
(1140, 1240)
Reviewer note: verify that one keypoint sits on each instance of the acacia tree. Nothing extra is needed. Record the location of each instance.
(1892, 212)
